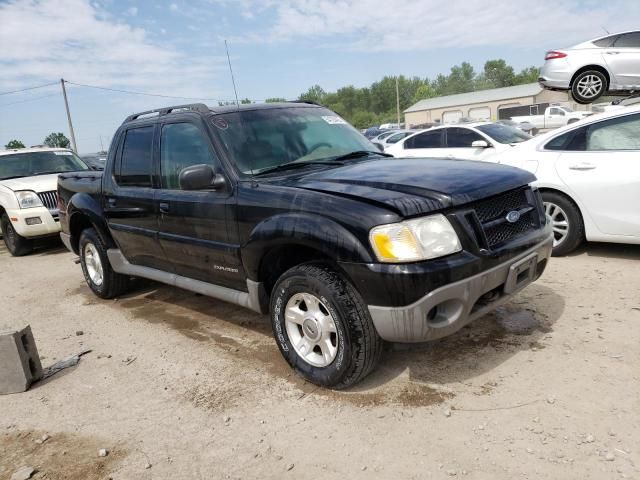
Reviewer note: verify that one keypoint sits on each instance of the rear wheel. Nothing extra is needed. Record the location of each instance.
(100, 277)
(16, 244)
(568, 229)
(322, 327)
(588, 86)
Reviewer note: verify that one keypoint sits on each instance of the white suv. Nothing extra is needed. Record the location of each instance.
(607, 64)
(28, 194)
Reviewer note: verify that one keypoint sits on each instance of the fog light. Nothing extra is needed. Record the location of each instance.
(33, 221)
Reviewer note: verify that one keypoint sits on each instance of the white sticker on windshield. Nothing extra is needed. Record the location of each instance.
(63, 153)
(334, 120)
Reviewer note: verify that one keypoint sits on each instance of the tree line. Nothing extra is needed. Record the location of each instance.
(376, 104)
(53, 140)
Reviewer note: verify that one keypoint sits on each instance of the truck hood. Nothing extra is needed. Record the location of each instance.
(39, 183)
(415, 186)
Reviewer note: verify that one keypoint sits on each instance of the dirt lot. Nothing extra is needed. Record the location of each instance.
(182, 386)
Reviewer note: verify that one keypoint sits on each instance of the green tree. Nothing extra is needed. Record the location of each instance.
(14, 144)
(245, 101)
(527, 75)
(275, 100)
(314, 94)
(498, 74)
(57, 140)
(423, 92)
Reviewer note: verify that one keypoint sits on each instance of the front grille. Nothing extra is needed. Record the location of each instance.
(492, 216)
(49, 199)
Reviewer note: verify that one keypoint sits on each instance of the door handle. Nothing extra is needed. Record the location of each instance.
(582, 166)
(164, 207)
(613, 53)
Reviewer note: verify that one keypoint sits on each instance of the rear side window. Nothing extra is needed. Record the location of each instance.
(461, 137)
(628, 40)
(606, 41)
(425, 140)
(136, 165)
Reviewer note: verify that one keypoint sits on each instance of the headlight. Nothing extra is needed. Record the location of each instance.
(28, 199)
(414, 240)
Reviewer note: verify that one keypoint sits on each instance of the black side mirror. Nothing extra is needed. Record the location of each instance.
(200, 177)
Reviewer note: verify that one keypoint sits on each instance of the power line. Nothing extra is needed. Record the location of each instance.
(143, 93)
(29, 100)
(28, 88)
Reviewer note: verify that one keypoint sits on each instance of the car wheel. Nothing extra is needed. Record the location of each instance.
(15, 243)
(322, 327)
(566, 221)
(588, 86)
(100, 277)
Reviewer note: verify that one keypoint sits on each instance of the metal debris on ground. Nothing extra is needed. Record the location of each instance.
(70, 361)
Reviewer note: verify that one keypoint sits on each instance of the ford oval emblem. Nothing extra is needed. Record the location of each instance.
(513, 216)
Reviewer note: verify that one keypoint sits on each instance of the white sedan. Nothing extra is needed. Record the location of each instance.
(469, 141)
(589, 176)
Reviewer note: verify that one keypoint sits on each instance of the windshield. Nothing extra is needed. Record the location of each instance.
(29, 164)
(258, 140)
(504, 133)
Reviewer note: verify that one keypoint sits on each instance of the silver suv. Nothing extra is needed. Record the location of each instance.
(607, 64)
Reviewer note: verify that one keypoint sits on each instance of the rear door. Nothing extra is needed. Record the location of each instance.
(129, 199)
(623, 60)
(458, 141)
(194, 225)
(426, 144)
(600, 163)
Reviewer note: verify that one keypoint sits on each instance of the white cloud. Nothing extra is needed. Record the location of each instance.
(397, 25)
(46, 40)
(173, 7)
(132, 11)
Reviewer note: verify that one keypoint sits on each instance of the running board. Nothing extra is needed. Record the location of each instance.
(250, 299)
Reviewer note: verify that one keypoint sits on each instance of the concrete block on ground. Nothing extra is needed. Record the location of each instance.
(19, 361)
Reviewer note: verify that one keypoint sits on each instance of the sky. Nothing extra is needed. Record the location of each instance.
(278, 48)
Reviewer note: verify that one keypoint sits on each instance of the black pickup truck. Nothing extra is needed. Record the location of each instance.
(286, 209)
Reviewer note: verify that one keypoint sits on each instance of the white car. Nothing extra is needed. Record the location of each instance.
(589, 177)
(388, 140)
(469, 141)
(28, 194)
(606, 64)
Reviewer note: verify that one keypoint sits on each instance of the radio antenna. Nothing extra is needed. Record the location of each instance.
(233, 80)
(602, 26)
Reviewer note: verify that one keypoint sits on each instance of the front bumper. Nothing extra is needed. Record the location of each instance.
(447, 309)
(43, 222)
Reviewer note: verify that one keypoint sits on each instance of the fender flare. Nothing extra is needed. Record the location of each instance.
(306, 230)
(83, 206)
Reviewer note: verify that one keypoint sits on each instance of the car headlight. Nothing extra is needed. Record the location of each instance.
(28, 199)
(414, 240)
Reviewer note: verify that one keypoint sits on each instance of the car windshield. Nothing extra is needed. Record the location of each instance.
(504, 133)
(263, 139)
(29, 164)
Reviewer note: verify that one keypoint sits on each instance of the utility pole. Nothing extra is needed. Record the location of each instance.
(397, 101)
(101, 145)
(66, 106)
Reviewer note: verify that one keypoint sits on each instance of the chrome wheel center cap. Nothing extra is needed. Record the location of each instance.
(311, 329)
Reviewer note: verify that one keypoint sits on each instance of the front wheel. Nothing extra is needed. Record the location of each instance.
(322, 327)
(588, 86)
(566, 220)
(17, 245)
(100, 277)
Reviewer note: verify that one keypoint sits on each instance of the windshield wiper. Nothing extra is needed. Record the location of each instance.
(292, 166)
(359, 154)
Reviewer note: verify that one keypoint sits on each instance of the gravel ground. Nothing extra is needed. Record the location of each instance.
(182, 386)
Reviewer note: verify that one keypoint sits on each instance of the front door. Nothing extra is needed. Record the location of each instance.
(129, 199)
(194, 225)
(602, 167)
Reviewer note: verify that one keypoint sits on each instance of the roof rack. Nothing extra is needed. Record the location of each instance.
(196, 107)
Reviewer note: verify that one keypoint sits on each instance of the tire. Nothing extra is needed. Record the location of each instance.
(357, 344)
(588, 86)
(99, 275)
(562, 209)
(17, 245)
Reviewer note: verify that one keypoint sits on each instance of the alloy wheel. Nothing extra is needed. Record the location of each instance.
(589, 86)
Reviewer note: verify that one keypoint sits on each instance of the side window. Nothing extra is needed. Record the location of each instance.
(616, 134)
(397, 137)
(136, 165)
(628, 40)
(461, 137)
(606, 41)
(182, 145)
(425, 140)
(557, 111)
(573, 141)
